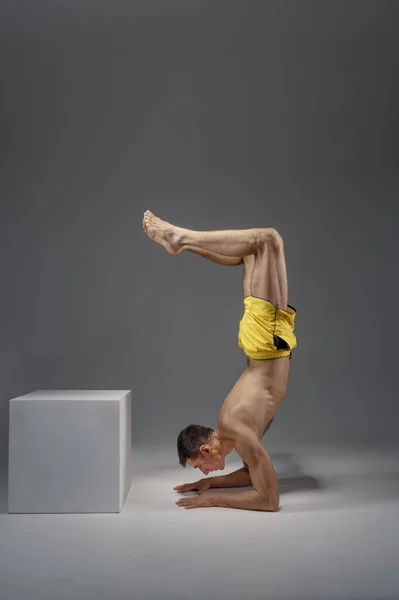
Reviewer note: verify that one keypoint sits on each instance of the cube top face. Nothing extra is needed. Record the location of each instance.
(71, 395)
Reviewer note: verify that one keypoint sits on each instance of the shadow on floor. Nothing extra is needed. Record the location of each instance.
(290, 475)
(303, 482)
(337, 489)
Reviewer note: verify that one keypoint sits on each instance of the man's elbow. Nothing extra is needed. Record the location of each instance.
(272, 502)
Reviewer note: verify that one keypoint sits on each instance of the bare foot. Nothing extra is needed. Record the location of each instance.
(162, 232)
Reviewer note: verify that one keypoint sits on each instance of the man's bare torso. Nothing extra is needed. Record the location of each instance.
(256, 396)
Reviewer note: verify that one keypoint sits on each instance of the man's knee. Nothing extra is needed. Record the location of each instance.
(269, 238)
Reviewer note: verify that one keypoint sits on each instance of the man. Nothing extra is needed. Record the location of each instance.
(266, 334)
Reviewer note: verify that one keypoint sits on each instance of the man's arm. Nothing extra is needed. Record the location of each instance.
(240, 478)
(261, 472)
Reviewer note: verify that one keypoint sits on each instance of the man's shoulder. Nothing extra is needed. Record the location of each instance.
(235, 421)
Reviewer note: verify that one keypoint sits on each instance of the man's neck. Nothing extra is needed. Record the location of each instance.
(224, 446)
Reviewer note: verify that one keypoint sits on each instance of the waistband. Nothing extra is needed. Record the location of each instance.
(255, 301)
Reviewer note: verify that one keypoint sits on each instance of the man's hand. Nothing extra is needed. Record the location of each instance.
(201, 486)
(196, 502)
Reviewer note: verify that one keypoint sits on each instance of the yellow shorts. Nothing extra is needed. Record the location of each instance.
(266, 332)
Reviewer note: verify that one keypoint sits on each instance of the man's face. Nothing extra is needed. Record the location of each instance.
(208, 460)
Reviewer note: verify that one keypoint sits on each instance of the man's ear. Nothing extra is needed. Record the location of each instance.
(205, 449)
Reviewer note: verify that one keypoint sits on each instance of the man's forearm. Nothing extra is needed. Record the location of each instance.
(248, 500)
(240, 478)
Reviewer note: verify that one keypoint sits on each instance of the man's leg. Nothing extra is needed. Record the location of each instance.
(227, 242)
(261, 250)
(228, 261)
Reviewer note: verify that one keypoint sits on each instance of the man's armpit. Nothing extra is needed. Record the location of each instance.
(248, 446)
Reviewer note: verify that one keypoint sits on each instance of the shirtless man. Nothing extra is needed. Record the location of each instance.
(266, 334)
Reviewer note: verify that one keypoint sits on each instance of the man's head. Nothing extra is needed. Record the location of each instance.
(199, 447)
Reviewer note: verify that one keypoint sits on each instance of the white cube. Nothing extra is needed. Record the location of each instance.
(69, 451)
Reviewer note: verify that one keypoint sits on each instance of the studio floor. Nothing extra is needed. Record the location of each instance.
(336, 535)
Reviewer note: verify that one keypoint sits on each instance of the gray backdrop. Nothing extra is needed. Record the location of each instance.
(214, 114)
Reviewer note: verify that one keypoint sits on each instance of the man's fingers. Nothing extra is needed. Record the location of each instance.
(187, 506)
(185, 501)
(186, 487)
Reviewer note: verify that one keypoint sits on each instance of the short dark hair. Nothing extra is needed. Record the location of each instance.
(190, 440)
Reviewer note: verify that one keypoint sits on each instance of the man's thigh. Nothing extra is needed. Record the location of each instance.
(269, 276)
